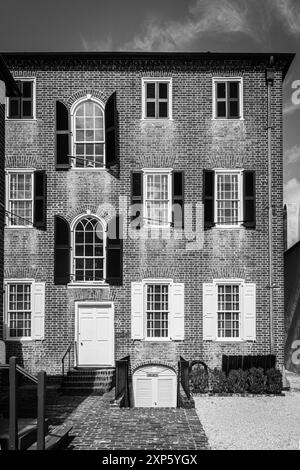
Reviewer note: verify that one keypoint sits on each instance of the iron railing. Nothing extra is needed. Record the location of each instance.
(68, 353)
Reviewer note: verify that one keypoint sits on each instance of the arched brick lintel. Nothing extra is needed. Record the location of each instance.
(152, 362)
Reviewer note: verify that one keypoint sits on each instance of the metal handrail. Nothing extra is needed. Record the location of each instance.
(68, 351)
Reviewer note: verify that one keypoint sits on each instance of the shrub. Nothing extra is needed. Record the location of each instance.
(218, 381)
(274, 381)
(256, 381)
(237, 381)
(199, 380)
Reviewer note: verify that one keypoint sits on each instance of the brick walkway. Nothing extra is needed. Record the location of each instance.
(98, 426)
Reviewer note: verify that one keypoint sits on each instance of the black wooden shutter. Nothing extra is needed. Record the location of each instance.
(209, 198)
(137, 198)
(62, 137)
(110, 130)
(62, 251)
(249, 199)
(40, 199)
(114, 248)
(178, 200)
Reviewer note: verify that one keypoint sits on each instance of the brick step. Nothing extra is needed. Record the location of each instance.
(84, 391)
(90, 376)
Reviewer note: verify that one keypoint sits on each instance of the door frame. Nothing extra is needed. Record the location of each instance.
(84, 303)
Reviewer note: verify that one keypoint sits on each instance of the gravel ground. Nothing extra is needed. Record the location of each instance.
(262, 422)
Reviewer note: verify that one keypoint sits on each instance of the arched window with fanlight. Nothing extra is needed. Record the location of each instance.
(88, 135)
(89, 250)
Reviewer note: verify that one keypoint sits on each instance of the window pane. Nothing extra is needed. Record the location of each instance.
(27, 108)
(89, 254)
(150, 111)
(221, 109)
(163, 90)
(19, 310)
(157, 310)
(233, 89)
(163, 110)
(150, 90)
(234, 109)
(27, 89)
(14, 107)
(221, 90)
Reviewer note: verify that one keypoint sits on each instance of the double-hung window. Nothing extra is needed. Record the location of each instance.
(157, 99)
(88, 260)
(158, 198)
(20, 199)
(228, 98)
(228, 310)
(157, 310)
(89, 137)
(19, 310)
(23, 106)
(228, 200)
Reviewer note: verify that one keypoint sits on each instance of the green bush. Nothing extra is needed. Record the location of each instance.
(274, 381)
(237, 381)
(218, 381)
(199, 380)
(256, 381)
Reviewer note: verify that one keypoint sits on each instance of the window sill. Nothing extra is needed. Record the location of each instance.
(228, 119)
(20, 119)
(88, 169)
(20, 340)
(20, 227)
(81, 285)
(228, 227)
(156, 120)
(157, 340)
(229, 340)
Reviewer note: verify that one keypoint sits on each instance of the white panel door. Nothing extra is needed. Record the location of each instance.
(155, 386)
(95, 335)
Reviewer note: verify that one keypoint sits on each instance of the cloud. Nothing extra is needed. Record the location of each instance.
(289, 11)
(204, 17)
(292, 191)
(292, 155)
(105, 44)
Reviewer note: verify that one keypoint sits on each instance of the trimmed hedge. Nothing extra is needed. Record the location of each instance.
(253, 381)
(199, 380)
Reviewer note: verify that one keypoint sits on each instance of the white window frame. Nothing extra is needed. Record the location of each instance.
(73, 282)
(145, 283)
(33, 118)
(9, 172)
(75, 105)
(146, 80)
(241, 283)
(216, 80)
(240, 173)
(6, 303)
(168, 173)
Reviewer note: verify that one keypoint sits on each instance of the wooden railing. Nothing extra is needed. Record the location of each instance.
(184, 367)
(122, 380)
(14, 369)
(68, 354)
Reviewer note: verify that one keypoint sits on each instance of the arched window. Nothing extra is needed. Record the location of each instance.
(89, 249)
(89, 135)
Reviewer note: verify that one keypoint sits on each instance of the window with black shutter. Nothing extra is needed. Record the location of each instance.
(249, 199)
(111, 130)
(40, 199)
(22, 107)
(137, 199)
(62, 251)
(209, 197)
(178, 199)
(62, 137)
(114, 245)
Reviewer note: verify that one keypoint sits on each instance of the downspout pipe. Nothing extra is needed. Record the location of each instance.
(270, 82)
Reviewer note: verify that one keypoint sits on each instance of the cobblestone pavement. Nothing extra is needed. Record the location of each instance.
(98, 426)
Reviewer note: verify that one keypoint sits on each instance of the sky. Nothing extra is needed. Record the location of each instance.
(170, 25)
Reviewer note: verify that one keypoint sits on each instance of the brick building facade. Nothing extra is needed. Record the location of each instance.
(94, 133)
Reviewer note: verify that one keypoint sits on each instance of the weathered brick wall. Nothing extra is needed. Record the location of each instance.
(2, 178)
(191, 142)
